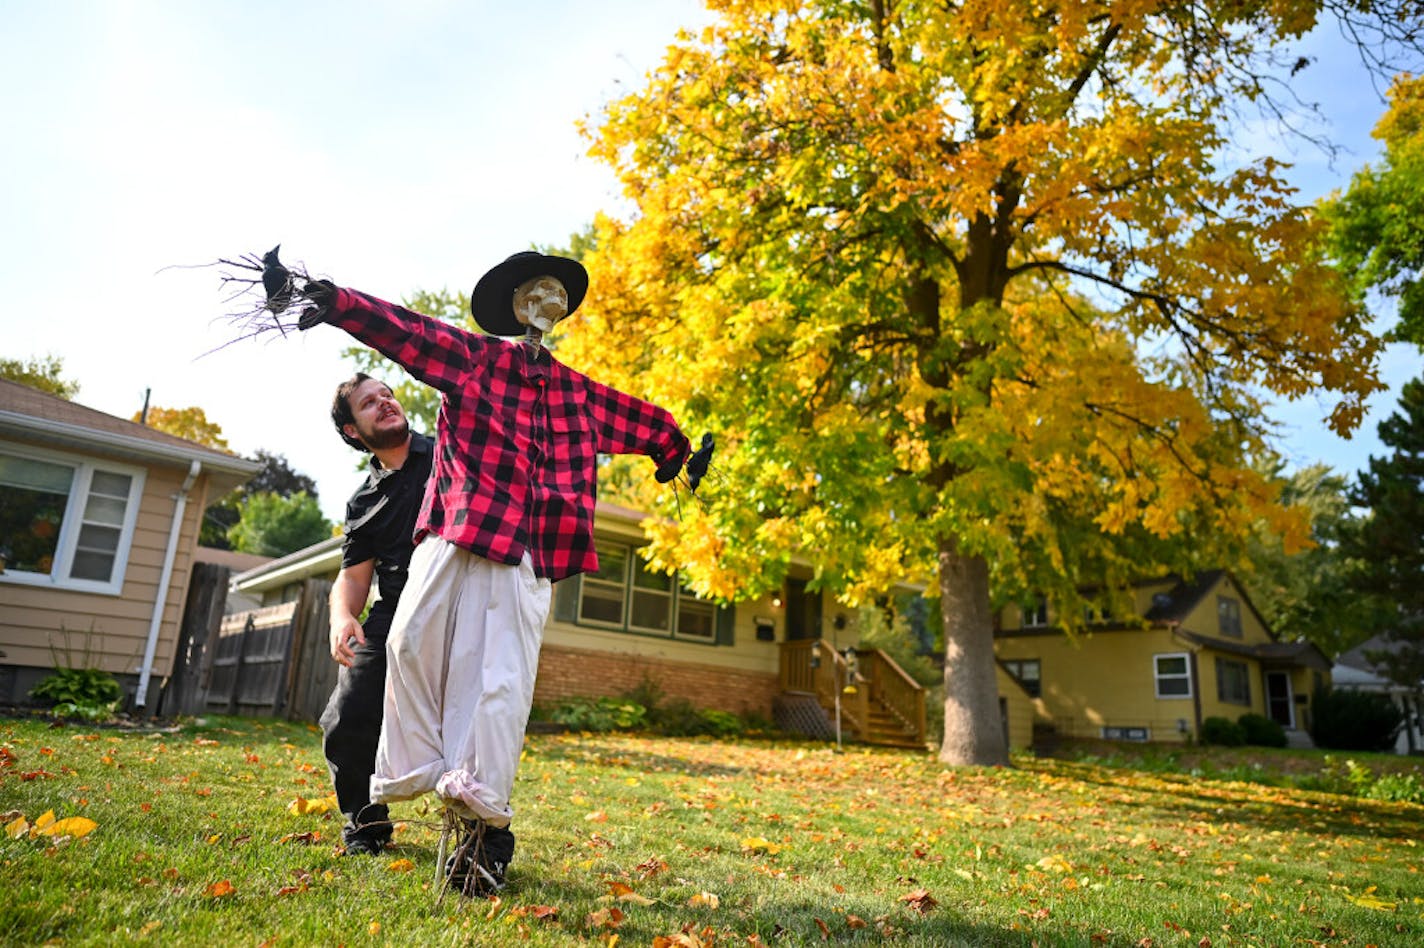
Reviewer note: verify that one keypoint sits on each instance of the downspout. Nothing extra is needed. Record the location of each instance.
(180, 504)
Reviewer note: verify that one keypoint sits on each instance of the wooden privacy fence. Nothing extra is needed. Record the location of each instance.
(272, 662)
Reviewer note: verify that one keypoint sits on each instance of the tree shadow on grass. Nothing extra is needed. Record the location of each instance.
(600, 754)
(1258, 806)
(785, 920)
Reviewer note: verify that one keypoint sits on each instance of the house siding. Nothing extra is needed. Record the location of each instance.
(113, 628)
(1105, 680)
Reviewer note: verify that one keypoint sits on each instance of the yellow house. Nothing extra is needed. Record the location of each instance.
(1197, 648)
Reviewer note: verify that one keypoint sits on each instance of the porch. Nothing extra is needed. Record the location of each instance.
(857, 695)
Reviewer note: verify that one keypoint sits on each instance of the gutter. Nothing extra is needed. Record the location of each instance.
(180, 504)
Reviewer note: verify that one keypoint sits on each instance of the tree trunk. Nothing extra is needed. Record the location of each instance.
(973, 733)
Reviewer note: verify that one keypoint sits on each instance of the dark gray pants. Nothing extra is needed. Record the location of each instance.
(351, 724)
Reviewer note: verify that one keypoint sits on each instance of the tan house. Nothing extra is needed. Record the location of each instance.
(99, 519)
(781, 656)
(1195, 649)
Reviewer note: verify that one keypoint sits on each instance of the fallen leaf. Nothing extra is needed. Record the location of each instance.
(597, 816)
(1369, 901)
(704, 898)
(74, 826)
(44, 820)
(920, 900)
(855, 921)
(400, 865)
(825, 929)
(757, 843)
(309, 837)
(219, 889)
(16, 827)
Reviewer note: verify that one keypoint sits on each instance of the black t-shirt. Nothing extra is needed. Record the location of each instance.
(380, 520)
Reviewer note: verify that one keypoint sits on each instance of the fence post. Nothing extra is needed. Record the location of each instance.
(311, 672)
(202, 616)
(248, 632)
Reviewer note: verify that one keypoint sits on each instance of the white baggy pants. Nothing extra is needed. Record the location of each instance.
(462, 655)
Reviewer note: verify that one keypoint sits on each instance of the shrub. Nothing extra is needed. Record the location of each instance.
(1354, 720)
(1261, 731)
(598, 714)
(79, 692)
(680, 718)
(1222, 731)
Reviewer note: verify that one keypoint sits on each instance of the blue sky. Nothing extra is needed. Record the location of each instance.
(392, 146)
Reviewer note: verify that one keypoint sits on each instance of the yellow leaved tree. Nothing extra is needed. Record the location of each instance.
(973, 294)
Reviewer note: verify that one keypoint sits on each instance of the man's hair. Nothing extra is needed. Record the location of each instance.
(341, 414)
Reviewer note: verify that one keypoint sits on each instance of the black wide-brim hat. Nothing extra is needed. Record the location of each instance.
(492, 302)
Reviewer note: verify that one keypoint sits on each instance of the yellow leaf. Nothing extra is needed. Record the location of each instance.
(75, 826)
(374, 928)
(756, 843)
(43, 821)
(1373, 902)
(315, 806)
(16, 826)
(704, 898)
(1055, 863)
(401, 865)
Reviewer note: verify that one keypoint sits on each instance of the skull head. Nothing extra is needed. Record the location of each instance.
(541, 302)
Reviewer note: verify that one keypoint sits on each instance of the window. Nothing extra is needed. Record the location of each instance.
(605, 591)
(1228, 616)
(1233, 682)
(1097, 615)
(1125, 734)
(65, 521)
(625, 594)
(1035, 615)
(1028, 673)
(1172, 675)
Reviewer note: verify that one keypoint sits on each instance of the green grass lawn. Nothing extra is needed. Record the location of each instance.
(640, 840)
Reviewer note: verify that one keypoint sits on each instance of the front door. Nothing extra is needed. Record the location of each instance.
(1279, 707)
(803, 611)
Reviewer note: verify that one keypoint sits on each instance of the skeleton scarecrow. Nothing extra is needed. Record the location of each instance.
(508, 511)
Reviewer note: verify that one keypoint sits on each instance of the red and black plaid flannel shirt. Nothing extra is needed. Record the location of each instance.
(518, 437)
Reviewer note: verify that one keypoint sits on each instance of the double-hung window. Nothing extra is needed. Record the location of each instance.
(65, 521)
(623, 593)
(1233, 682)
(1172, 675)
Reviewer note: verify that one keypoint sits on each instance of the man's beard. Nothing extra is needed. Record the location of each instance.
(387, 438)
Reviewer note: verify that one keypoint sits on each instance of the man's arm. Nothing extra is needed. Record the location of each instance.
(348, 598)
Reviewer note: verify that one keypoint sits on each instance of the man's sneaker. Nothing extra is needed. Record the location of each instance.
(364, 845)
(369, 832)
(477, 867)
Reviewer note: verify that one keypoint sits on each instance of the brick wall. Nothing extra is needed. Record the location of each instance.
(578, 673)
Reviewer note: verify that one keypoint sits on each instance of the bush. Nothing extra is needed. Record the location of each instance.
(79, 692)
(598, 714)
(680, 718)
(1222, 731)
(1261, 731)
(1354, 720)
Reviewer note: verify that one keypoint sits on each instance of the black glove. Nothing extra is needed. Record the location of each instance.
(668, 470)
(322, 294)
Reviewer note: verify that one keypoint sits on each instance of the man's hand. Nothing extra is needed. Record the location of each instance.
(342, 635)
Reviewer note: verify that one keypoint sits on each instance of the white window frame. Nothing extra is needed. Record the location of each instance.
(84, 468)
(1034, 616)
(1158, 677)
